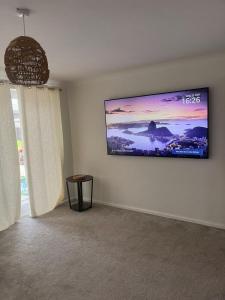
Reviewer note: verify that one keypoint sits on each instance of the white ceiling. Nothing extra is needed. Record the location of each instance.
(87, 37)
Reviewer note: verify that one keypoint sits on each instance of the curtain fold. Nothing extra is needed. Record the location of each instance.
(10, 195)
(43, 143)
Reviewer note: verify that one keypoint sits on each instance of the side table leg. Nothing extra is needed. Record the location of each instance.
(68, 191)
(80, 196)
(91, 191)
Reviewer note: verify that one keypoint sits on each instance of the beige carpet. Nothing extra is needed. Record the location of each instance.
(108, 253)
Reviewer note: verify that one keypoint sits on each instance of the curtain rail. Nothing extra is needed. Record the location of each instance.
(37, 86)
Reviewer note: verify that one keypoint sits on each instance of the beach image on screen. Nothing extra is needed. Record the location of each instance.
(172, 124)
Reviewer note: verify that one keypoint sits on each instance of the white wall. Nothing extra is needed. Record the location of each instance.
(183, 188)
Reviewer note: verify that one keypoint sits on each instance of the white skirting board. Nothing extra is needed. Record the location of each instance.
(158, 213)
(162, 214)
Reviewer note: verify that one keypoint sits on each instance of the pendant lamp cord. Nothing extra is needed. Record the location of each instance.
(24, 29)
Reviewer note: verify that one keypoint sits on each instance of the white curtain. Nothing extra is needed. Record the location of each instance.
(43, 143)
(9, 163)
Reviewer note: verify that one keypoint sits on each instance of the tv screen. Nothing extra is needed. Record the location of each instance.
(173, 124)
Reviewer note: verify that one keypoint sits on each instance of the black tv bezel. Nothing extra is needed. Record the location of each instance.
(152, 94)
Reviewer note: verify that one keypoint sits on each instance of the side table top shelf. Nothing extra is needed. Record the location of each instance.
(79, 178)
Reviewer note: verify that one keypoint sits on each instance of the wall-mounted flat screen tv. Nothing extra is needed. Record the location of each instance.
(173, 124)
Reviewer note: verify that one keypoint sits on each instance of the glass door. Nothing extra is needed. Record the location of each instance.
(25, 207)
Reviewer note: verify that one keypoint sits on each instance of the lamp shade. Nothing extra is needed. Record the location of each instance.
(26, 62)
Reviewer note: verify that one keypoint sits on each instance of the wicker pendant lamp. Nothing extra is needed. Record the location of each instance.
(25, 59)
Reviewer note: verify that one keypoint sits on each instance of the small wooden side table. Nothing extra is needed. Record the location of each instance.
(80, 205)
